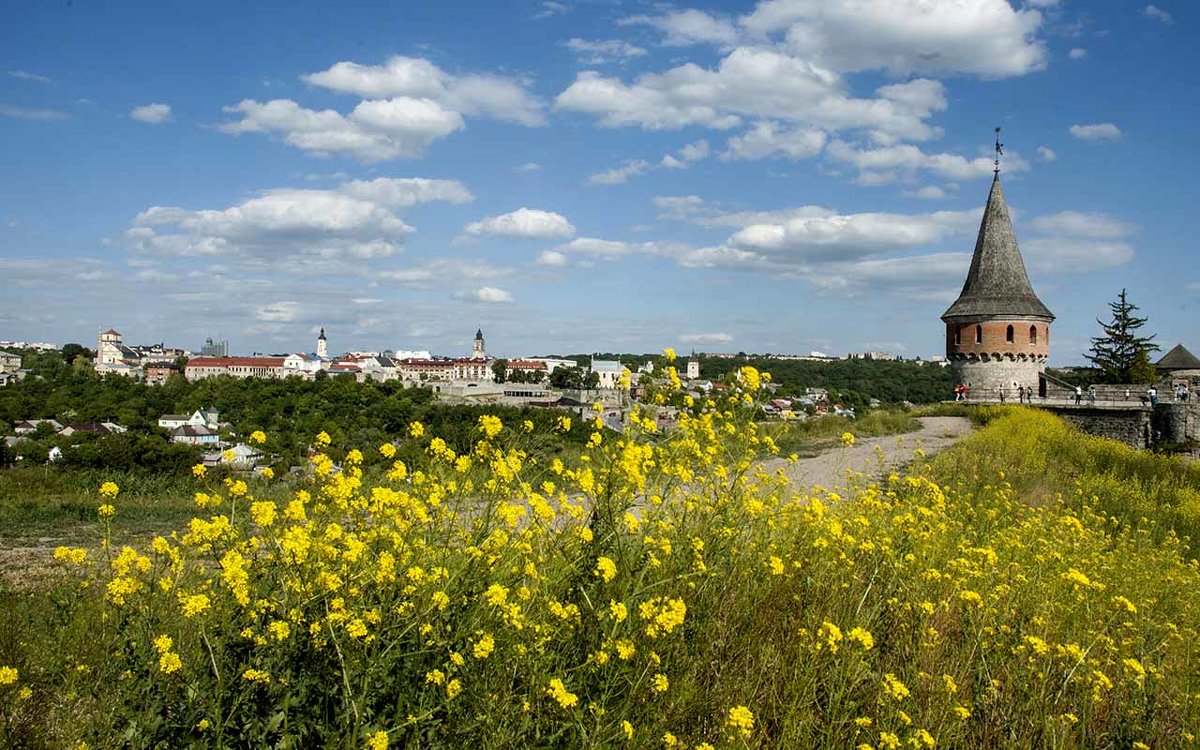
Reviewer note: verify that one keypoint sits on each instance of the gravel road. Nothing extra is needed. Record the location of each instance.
(873, 456)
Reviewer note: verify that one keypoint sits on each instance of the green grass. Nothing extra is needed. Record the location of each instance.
(1047, 461)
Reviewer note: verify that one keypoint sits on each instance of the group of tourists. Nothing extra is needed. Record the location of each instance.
(962, 392)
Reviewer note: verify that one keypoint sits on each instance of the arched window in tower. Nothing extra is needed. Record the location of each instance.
(1033, 334)
(978, 334)
(1009, 335)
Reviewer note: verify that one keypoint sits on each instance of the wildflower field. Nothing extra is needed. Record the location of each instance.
(1026, 588)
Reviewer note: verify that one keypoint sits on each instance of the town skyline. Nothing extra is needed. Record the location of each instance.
(718, 176)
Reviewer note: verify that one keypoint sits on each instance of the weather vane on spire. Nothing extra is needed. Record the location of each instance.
(999, 151)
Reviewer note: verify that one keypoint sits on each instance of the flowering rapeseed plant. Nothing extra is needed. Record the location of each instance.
(478, 593)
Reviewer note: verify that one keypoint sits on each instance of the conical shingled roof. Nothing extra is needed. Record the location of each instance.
(997, 284)
(1178, 358)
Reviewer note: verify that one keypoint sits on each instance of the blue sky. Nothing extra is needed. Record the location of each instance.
(780, 176)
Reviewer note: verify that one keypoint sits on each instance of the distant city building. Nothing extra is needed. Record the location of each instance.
(322, 346)
(526, 366)
(158, 372)
(112, 356)
(609, 371)
(693, 369)
(997, 331)
(214, 348)
(40, 346)
(1178, 363)
(199, 368)
(553, 364)
(411, 354)
(9, 362)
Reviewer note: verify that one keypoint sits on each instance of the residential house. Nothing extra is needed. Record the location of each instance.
(31, 425)
(240, 456)
(208, 418)
(9, 362)
(158, 372)
(95, 428)
(195, 435)
(609, 371)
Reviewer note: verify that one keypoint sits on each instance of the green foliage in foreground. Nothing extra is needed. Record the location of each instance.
(978, 601)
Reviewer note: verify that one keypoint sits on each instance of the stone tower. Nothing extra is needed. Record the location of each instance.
(322, 345)
(477, 349)
(997, 331)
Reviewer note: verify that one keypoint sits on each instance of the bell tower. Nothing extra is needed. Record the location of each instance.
(478, 351)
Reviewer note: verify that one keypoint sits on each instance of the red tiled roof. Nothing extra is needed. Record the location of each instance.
(112, 331)
(526, 364)
(235, 362)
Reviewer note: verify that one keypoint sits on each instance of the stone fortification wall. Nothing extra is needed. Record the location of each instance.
(1177, 422)
(987, 378)
(1131, 426)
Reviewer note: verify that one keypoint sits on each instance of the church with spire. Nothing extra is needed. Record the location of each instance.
(997, 331)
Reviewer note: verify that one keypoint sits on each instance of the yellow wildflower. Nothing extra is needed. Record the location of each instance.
(378, 741)
(606, 569)
(741, 719)
(558, 691)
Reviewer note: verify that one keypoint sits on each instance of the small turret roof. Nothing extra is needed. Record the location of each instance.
(322, 334)
(1178, 358)
(997, 284)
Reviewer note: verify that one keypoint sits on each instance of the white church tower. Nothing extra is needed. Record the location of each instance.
(322, 346)
(477, 349)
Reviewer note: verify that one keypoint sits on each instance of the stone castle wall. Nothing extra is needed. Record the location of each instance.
(987, 378)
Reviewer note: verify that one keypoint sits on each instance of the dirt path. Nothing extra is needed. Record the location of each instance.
(873, 456)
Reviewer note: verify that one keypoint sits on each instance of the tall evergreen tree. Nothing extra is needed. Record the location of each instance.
(1121, 354)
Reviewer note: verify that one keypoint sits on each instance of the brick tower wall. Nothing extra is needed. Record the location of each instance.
(988, 361)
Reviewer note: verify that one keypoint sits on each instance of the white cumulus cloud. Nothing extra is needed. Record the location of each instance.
(524, 222)
(705, 338)
(1046, 154)
(1104, 131)
(485, 294)
(406, 104)
(155, 114)
(618, 175)
(888, 163)
(484, 95)
(375, 130)
(551, 259)
(984, 37)
(691, 26)
(769, 139)
(602, 51)
(355, 221)
(1157, 13)
(758, 83)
